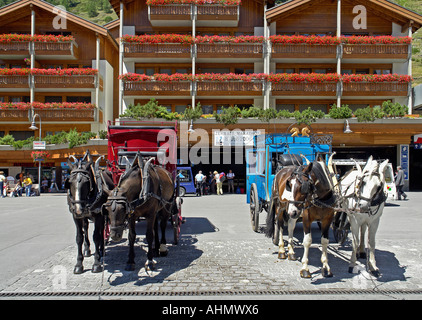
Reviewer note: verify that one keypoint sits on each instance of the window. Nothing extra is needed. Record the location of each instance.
(346, 71)
(167, 106)
(362, 71)
(207, 109)
(52, 99)
(186, 175)
(322, 107)
(320, 70)
(165, 71)
(215, 70)
(180, 108)
(220, 106)
(22, 135)
(83, 99)
(183, 71)
(243, 71)
(285, 70)
(288, 107)
(305, 70)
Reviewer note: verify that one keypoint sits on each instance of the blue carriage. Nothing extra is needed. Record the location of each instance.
(272, 152)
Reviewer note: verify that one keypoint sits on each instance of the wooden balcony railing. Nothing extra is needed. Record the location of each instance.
(49, 114)
(375, 51)
(303, 50)
(142, 88)
(14, 81)
(74, 82)
(217, 12)
(229, 88)
(304, 88)
(169, 12)
(44, 50)
(158, 50)
(230, 50)
(375, 89)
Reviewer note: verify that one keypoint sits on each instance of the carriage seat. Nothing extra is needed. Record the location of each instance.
(289, 159)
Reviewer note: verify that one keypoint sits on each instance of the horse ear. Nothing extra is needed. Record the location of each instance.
(358, 167)
(72, 165)
(382, 168)
(308, 168)
(368, 164)
(105, 186)
(88, 157)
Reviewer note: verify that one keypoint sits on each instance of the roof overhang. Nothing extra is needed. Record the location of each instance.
(388, 9)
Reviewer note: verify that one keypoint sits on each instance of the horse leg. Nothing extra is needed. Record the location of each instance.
(130, 265)
(79, 241)
(307, 241)
(156, 249)
(325, 225)
(290, 246)
(87, 250)
(373, 227)
(354, 228)
(163, 243)
(150, 264)
(278, 235)
(361, 254)
(99, 244)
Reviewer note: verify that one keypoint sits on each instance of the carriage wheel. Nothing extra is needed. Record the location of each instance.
(254, 208)
(341, 227)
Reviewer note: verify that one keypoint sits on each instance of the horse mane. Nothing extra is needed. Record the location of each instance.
(324, 187)
(127, 174)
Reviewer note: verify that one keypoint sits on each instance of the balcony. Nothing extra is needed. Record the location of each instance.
(229, 88)
(304, 89)
(48, 112)
(17, 47)
(152, 88)
(211, 15)
(399, 52)
(50, 79)
(303, 51)
(157, 52)
(376, 89)
(240, 51)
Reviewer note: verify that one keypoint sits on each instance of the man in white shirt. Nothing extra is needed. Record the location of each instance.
(230, 181)
(199, 182)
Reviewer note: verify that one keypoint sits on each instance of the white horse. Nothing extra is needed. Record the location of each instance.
(363, 199)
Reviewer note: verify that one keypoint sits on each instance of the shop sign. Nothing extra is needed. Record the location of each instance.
(404, 160)
(39, 145)
(235, 138)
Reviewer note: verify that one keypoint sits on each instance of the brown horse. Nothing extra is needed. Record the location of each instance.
(147, 191)
(307, 192)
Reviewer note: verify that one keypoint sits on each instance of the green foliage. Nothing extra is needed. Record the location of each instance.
(284, 114)
(192, 113)
(308, 116)
(267, 114)
(228, 116)
(344, 112)
(365, 114)
(394, 109)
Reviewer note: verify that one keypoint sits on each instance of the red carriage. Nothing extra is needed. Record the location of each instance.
(157, 141)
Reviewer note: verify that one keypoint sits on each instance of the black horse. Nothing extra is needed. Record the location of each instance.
(85, 198)
(144, 190)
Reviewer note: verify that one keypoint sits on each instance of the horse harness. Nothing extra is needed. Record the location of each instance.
(378, 199)
(145, 195)
(92, 201)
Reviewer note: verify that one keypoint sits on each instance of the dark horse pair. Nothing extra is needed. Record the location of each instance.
(143, 191)
(302, 191)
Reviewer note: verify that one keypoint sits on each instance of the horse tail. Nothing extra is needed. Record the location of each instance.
(269, 228)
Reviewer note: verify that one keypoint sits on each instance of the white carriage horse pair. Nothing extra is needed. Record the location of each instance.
(362, 197)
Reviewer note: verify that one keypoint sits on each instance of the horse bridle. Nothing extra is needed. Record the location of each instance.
(306, 188)
(378, 198)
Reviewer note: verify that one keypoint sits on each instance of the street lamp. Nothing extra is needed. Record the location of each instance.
(34, 127)
(346, 128)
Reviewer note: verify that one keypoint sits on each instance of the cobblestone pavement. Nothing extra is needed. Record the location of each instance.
(220, 254)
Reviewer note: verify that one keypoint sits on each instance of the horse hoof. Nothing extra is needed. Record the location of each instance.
(375, 273)
(130, 267)
(150, 266)
(97, 269)
(78, 270)
(87, 253)
(305, 274)
(164, 253)
(282, 256)
(326, 273)
(292, 257)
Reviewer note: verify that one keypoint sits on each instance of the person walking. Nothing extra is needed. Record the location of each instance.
(2, 183)
(199, 182)
(218, 183)
(399, 181)
(230, 181)
(212, 183)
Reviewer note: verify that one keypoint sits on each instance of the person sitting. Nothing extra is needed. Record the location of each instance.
(17, 190)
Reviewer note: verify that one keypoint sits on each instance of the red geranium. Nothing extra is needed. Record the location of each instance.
(304, 77)
(376, 78)
(37, 38)
(196, 2)
(45, 106)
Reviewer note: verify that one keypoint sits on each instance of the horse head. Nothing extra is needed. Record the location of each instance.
(121, 199)
(297, 189)
(80, 184)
